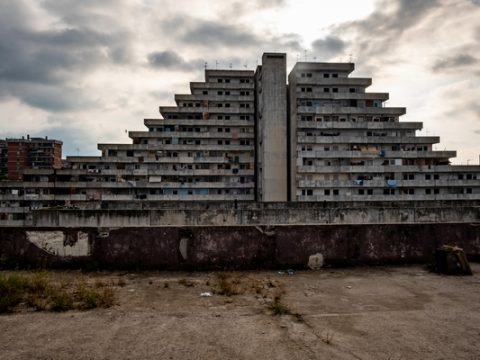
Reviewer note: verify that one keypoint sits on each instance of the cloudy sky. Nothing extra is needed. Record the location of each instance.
(85, 71)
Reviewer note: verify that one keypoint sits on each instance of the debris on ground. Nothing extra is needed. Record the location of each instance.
(451, 260)
(205, 294)
(315, 261)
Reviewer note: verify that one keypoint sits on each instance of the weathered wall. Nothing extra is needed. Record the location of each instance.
(232, 247)
(253, 216)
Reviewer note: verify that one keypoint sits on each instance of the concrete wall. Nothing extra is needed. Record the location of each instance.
(232, 247)
(251, 216)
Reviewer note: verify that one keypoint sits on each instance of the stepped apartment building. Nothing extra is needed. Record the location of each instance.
(249, 136)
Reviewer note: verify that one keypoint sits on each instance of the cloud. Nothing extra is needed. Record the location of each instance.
(328, 46)
(40, 65)
(169, 60)
(454, 62)
(212, 34)
(378, 34)
(267, 4)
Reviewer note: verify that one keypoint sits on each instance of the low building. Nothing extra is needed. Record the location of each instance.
(32, 153)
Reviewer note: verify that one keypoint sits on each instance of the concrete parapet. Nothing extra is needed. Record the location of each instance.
(231, 247)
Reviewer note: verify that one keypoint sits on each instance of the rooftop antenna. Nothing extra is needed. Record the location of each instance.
(231, 65)
(315, 58)
(298, 57)
(350, 58)
(216, 65)
(305, 55)
(245, 65)
(206, 65)
(78, 150)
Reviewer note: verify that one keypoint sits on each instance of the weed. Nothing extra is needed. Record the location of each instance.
(298, 317)
(228, 285)
(186, 283)
(59, 301)
(279, 308)
(11, 289)
(327, 338)
(166, 285)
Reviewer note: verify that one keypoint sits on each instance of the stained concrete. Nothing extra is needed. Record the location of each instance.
(242, 247)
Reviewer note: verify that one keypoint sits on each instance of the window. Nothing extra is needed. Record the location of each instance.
(335, 192)
(205, 92)
(220, 80)
(436, 177)
(309, 192)
(219, 92)
(309, 75)
(370, 191)
(428, 177)
(335, 75)
(335, 90)
(326, 89)
(352, 90)
(361, 192)
(129, 153)
(326, 76)
(326, 192)
(436, 191)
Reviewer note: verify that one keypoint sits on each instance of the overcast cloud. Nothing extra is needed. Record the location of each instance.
(85, 71)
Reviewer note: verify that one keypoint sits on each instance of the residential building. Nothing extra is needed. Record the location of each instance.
(242, 135)
(32, 153)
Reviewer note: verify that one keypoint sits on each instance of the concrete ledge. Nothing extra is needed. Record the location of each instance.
(253, 216)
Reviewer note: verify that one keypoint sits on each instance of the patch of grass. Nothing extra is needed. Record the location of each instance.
(86, 297)
(186, 283)
(38, 291)
(228, 285)
(11, 289)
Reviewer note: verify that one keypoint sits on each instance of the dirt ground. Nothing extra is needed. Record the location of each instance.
(358, 313)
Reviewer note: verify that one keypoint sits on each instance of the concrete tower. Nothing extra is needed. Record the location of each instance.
(271, 125)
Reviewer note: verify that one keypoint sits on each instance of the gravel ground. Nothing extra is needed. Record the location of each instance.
(359, 313)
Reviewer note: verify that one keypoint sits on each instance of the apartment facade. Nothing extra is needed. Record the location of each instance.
(348, 146)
